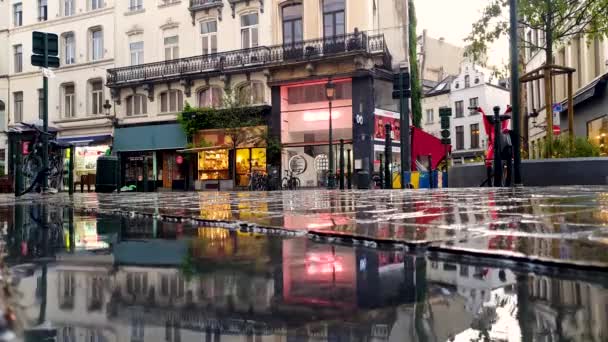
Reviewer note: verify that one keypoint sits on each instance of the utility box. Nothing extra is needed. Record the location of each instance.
(106, 179)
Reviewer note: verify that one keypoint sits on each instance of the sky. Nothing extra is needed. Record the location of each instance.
(452, 20)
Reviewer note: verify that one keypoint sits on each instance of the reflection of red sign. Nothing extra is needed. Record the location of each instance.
(25, 148)
(380, 130)
(557, 130)
(179, 160)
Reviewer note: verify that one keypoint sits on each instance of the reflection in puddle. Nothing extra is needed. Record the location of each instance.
(130, 279)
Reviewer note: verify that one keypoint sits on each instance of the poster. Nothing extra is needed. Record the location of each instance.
(383, 117)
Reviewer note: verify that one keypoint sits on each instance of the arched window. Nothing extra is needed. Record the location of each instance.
(467, 81)
(210, 97)
(333, 18)
(250, 93)
(171, 101)
(137, 104)
(292, 23)
(95, 88)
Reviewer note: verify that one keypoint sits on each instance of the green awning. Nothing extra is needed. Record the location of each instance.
(149, 138)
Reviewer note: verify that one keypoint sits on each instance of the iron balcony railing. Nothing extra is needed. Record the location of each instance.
(252, 58)
(203, 4)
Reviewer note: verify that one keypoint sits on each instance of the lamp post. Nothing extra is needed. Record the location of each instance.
(330, 93)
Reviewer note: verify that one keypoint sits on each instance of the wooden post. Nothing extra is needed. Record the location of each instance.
(548, 111)
(570, 108)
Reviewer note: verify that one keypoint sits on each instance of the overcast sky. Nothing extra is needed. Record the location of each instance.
(452, 19)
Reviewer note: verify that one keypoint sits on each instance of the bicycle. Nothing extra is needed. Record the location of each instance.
(32, 163)
(290, 182)
(258, 181)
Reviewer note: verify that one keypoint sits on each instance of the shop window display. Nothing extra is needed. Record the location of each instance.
(249, 160)
(213, 165)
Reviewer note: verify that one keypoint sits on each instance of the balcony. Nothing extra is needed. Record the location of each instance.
(253, 59)
(205, 5)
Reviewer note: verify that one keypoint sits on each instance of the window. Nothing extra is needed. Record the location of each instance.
(316, 93)
(475, 136)
(96, 87)
(137, 52)
(18, 60)
(40, 103)
(137, 283)
(460, 137)
(171, 47)
(66, 334)
(18, 100)
(459, 109)
(69, 104)
(42, 10)
(249, 30)
(292, 24)
(333, 18)
(136, 5)
(251, 93)
(96, 44)
(69, 46)
(597, 56)
(18, 14)
(136, 105)
(464, 271)
(68, 7)
(2, 120)
(597, 133)
(467, 81)
(169, 2)
(171, 101)
(210, 97)
(95, 4)
(209, 36)
(474, 103)
(430, 116)
(529, 41)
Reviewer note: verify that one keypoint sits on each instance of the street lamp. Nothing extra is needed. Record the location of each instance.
(107, 106)
(330, 93)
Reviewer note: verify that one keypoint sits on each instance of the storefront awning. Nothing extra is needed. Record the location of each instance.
(86, 140)
(201, 149)
(149, 138)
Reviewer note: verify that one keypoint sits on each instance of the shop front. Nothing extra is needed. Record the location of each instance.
(86, 151)
(149, 159)
(305, 115)
(224, 166)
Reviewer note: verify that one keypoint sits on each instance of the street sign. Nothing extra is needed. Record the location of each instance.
(445, 133)
(38, 43)
(557, 107)
(445, 122)
(38, 60)
(445, 111)
(446, 141)
(401, 84)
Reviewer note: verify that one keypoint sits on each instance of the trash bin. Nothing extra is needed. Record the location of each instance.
(106, 179)
(363, 179)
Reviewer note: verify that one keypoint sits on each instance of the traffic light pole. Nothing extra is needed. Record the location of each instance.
(45, 115)
(405, 132)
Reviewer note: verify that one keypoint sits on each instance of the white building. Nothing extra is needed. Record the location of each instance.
(473, 87)
(76, 92)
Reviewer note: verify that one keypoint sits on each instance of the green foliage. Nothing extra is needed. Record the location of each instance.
(415, 78)
(560, 20)
(566, 147)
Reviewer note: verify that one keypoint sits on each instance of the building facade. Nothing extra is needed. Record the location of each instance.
(76, 95)
(474, 86)
(272, 54)
(437, 59)
(590, 59)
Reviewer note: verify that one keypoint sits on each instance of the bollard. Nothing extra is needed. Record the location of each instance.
(71, 151)
(18, 170)
(349, 172)
(381, 173)
(145, 176)
(388, 154)
(341, 180)
(430, 171)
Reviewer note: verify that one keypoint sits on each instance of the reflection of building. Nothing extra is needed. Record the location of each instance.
(568, 309)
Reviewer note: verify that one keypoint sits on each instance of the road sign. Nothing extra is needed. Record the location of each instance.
(446, 141)
(445, 122)
(38, 60)
(445, 111)
(401, 84)
(445, 133)
(38, 43)
(557, 107)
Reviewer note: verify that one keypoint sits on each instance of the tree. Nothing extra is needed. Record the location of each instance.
(556, 20)
(415, 78)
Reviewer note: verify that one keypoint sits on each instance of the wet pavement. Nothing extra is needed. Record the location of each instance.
(100, 277)
(560, 225)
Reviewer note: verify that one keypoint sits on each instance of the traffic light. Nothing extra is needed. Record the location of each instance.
(42, 51)
(401, 78)
(444, 115)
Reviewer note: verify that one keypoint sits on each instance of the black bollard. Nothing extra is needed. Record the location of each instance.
(388, 153)
(381, 173)
(349, 172)
(430, 171)
(497, 160)
(341, 180)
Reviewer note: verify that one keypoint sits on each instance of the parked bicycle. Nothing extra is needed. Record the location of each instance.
(32, 163)
(290, 181)
(258, 181)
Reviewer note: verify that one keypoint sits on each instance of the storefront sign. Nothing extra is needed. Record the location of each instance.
(179, 160)
(136, 158)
